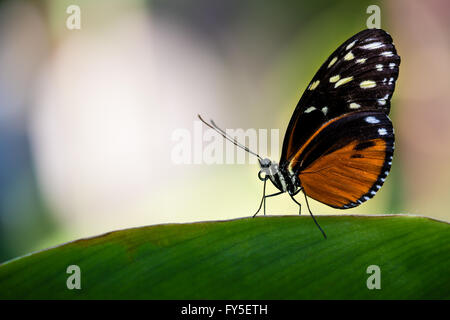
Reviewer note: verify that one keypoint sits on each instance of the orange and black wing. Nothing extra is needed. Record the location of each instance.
(346, 161)
(359, 75)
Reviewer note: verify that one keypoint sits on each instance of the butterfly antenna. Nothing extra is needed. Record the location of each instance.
(213, 126)
(317, 224)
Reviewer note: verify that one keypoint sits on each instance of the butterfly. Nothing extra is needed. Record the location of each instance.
(339, 143)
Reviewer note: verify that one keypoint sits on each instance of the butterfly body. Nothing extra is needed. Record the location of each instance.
(339, 143)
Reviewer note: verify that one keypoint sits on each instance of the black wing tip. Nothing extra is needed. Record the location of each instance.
(371, 32)
(374, 30)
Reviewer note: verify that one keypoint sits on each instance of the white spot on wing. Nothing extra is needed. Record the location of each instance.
(334, 78)
(362, 60)
(379, 67)
(332, 62)
(310, 109)
(343, 81)
(373, 45)
(314, 85)
(371, 119)
(382, 131)
(325, 110)
(383, 100)
(349, 56)
(387, 54)
(350, 45)
(368, 84)
(354, 106)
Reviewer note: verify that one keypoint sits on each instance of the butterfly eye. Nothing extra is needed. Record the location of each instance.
(260, 175)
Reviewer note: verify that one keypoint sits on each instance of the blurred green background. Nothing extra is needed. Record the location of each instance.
(87, 116)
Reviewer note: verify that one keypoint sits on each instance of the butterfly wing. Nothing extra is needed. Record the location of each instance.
(359, 75)
(345, 162)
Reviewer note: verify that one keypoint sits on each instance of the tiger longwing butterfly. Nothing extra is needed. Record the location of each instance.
(339, 144)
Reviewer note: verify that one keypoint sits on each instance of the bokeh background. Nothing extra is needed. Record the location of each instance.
(87, 116)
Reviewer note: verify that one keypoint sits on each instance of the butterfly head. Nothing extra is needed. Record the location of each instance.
(268, 168)
(271, 170)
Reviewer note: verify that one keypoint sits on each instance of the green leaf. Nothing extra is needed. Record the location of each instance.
(262, 258)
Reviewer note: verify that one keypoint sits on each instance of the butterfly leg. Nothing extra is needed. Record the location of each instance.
(264, 197)
(270, 195)
(299, 205)
(307, 205)
(263, 200)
